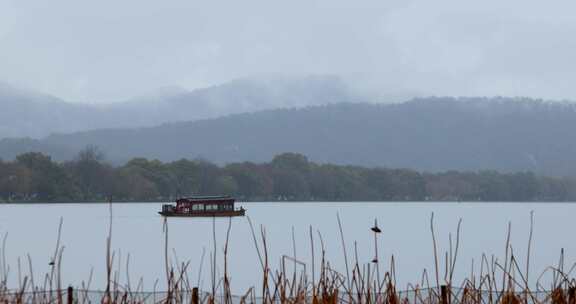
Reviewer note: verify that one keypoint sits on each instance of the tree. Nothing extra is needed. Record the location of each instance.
(253, 180)
(15, 181)
(94, 177)
(289, 176)
(49, 180)
(290, 173)
(133, 186)
(186, 176)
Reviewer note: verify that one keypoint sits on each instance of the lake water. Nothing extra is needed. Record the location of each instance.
(137, 230)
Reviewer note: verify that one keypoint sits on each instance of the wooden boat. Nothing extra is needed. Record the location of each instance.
(202, 206)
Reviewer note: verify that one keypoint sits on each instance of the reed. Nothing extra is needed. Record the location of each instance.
(315, 282)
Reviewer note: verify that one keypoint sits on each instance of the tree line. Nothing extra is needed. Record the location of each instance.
(35, 177)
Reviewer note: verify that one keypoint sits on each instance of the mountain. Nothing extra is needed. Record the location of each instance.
(237, 96)
(432, 134)
(29, 114)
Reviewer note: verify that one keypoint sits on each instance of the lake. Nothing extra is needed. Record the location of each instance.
(137, 230)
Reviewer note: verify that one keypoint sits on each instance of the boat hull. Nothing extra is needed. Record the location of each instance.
(205, 214)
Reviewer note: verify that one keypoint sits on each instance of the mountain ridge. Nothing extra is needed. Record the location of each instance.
(25, 113)
(430, 134)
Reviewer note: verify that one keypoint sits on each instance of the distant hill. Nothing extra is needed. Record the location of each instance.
(425, 134)
(25, 113)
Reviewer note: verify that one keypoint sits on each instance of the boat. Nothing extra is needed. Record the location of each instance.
(203, 206)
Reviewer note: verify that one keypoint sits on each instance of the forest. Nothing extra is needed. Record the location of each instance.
(35, 177)
(428, 134)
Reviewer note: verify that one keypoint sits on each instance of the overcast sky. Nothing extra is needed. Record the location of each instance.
(110, 50)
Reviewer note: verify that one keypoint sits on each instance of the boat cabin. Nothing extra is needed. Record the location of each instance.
(205, 203)
(202, 206)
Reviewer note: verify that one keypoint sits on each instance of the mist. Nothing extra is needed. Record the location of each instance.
(106, 51)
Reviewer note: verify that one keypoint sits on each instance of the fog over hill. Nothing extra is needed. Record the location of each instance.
(425, 134)
(25, 113)
(28, 113)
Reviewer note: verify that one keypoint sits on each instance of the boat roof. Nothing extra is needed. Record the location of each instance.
(207, 197)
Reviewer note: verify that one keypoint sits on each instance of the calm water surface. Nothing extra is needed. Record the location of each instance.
(137, 230)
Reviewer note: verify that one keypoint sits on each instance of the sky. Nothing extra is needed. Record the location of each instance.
(111, 50)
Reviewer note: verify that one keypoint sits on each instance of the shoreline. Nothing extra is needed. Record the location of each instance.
(285, 202)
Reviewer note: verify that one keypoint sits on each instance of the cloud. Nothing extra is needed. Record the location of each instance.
(488, 47)
(112, 50)
(7, 22)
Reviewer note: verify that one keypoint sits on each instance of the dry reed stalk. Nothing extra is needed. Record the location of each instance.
(556, 271)
(109, 256)
(472, 274)
(292, 286)
(227, 293)
(128, 284)
(31, 270)
(344, 249)
(183, 271)
(116, 276)
(86, 286)
(356, 273)
(59, 276)
(167, 267)
(483, 262)
(510, 274)
(446, 265)
(213, 260)
(53, 262)
(212, 278)
(22, 289)
(178, 287)
(279, 288)
(4, 269)
(246, 295)
(19, 273)
(313, 268)
(254, 238)
(294, 249)
(506, 256)
(493, 286)
(528, 256)
(526, 292)
(435, 253)
(424, 280)
(154, 290)
(453, 261)
(265, 286)
(200, 267)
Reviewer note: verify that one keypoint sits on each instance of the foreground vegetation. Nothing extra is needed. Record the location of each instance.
(314, 280)
(36, 177)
